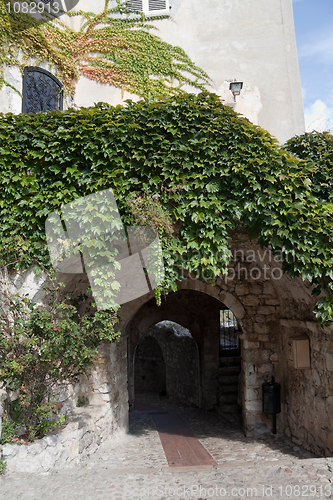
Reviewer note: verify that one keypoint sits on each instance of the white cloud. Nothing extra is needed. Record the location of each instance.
(319, 117)
(318, 47)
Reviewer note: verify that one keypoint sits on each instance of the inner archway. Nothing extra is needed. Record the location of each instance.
(149, 367)
(166, 363)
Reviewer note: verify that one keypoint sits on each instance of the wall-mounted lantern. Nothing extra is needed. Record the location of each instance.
(235, 88)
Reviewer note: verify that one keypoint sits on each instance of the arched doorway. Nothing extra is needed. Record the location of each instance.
(149, 367)
(166, 363)
(230, 376)
(199, 313)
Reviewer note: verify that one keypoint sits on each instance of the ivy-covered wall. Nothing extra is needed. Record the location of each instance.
(189, 166)
(199, 174)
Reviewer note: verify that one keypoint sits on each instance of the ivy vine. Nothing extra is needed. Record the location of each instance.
(189, 164)
(111, 47)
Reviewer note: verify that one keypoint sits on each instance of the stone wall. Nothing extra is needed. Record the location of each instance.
(104, 387)
(270, 308)
(308, 397)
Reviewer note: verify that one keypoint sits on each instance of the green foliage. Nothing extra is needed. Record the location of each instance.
(3, 465)
(8, 430)
(41, 346)
(208, 170)
(108, 48)
(82, 401)
(316, 148)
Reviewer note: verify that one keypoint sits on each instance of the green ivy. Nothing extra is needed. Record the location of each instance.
(209, 170)
(41, 347)
(111, 47)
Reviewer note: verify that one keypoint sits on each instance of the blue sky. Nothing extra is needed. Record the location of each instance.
(314, 35)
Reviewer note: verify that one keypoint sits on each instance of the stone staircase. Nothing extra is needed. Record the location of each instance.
(230, 368)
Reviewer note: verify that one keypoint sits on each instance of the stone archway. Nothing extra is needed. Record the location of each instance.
(271, 309)
(170, 352)
(149, 366)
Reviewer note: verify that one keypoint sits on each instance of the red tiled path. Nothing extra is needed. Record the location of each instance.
(180, 445)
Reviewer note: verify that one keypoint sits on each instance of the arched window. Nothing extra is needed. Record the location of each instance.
(42, 91)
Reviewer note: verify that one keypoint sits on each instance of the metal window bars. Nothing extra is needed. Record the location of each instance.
(228, 330)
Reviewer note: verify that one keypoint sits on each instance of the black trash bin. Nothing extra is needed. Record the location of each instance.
(271, 399)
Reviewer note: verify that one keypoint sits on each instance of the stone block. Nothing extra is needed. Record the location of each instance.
(22, 451)
(37, 447)
(329, 361)
(9, 450)
(261, 328)
(252, 393)
(268, 288)
(46, 459)
(263, 338)
(260, 318)
(242, 289)
(51, 440)
(265, 310)
(250, 300)
(73, 450)
(250, 345)
(256, 289)
(272, 302)
(253, 405)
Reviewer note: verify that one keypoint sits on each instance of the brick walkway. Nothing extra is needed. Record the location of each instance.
(135, 466)
(180, 445)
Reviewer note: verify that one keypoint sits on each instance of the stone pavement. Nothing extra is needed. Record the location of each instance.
(134, 466)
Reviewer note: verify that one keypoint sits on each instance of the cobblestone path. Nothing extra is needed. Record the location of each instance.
(134, 466)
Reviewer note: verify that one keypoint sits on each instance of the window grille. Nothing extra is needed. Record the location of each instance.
(228, 330)
(42, 91)
(149, 7)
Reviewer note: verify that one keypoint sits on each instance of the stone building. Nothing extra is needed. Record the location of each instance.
(252, 42)
(175, 350)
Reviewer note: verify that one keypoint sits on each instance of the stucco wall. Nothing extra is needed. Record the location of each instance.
(252, 41)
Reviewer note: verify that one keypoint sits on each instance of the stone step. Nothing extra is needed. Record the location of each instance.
(229, 388)
(232, 361)
(227, 399)
(229, 370)
(229, 408)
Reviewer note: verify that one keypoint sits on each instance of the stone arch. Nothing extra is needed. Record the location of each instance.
(181, 362)
(201, 318)
(269, 311)
(149, 366)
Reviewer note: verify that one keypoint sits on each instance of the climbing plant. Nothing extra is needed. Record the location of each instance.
(111, 47)
(189, 164)
(317, 150)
